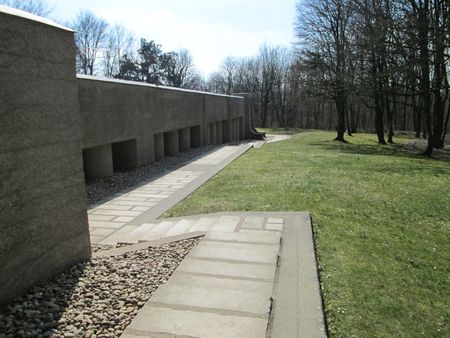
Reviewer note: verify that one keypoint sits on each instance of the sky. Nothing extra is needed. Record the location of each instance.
(210, 29)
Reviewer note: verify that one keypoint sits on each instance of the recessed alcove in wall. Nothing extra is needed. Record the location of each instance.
(184, 139)
(171, 143)
(226, 135)
(241, 128)
(196, 137)
(159, 146)
(124, 155)
(97, 161)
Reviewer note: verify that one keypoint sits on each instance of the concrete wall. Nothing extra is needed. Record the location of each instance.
(57, 127)
(43, 222)
(246, 123)
(161, 121)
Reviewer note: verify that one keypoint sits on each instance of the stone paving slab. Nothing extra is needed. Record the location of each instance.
(203, 224)
(246, 237)
(152, 198)
(157, 321)
(143, 245)
(245, 283)
(236, 252)
(263, 288)
(253, 275)
(298, 310)
(182, 227)
(253, 223)
(227, 269)
(226, 224)
(245, 297)
(117, 236)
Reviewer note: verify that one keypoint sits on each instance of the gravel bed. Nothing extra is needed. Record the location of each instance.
(101, 247)
(98, 298)
(100, 188)
(104, 247)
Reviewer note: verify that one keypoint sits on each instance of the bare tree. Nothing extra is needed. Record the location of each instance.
(180, 70)
(217, 83)
(90, 34)
(322, 30)
(371, 31)
(38, 7)
(229, 68)
(118, 42)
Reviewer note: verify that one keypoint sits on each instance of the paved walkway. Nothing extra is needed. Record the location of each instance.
(253, 275)
(277, 138)
(150, 199)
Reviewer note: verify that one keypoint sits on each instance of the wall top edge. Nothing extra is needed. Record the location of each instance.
(143, 84)
(25, 15)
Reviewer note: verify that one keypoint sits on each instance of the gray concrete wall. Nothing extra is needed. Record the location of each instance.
(171, 143)
(114, 111)
(196, 137)
(184, 138)
(43, 221)
(124, 155)
(159, 146)
(247, 117)
(98, 161)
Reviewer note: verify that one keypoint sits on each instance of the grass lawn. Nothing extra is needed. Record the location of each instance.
(381, 223)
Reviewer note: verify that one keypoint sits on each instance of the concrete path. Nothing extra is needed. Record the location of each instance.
(253, 275)
(277, 138)
(129, 209)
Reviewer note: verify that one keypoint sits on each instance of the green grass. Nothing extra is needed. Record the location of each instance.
(381, 223)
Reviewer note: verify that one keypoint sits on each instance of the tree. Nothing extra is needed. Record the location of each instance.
(229, 68)
(217, 83)
(149, 62)
(37, 7)
(179, 69)
(128, 69)
(428, 22)
(372, 27)
(90, 34)
(322, 30)
(118, 42)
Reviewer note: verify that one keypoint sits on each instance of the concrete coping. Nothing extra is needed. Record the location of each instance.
(136, 83)
(25, 15)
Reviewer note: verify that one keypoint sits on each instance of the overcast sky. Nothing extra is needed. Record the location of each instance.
(210, 29)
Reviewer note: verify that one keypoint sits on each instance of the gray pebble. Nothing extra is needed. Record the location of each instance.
(101, 299)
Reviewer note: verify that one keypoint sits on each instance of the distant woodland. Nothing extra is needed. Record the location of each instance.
(378, 66)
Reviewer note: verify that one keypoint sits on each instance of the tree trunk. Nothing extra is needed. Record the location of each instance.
(349, 126)
(340, 110)
(405, 105)
(424, 59)
(439, 70)
(417, 117)
(379, 119)
(377, 83)
(444, 133)
(390, 114)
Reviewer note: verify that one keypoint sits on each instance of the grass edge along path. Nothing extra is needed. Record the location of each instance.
(381, 223)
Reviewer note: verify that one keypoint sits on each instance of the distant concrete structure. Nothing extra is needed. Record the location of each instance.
(58, 128)
(43, 223)
(150, 122)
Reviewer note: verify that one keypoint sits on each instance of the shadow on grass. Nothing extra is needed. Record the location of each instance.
(399, 150)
